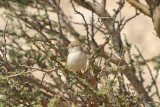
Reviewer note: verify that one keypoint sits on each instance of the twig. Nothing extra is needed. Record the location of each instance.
(4, 37)
(153, 80)
(86, 25)
(140, 7)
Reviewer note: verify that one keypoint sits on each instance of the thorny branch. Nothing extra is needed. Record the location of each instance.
(46, 50)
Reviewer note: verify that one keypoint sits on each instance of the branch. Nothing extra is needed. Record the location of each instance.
(101, 12)
(153, 11)
(116, 59)
(156, 20)
(139, 6)
(130, 76)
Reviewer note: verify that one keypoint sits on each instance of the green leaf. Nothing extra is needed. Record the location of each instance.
(51, 35)
(29, 43)
(73, 82)
(83, 37)
(122, 67)
(54, 100)
(67, 66)
(111, 69)
(59, 59)
(52, 64)
(42, 58)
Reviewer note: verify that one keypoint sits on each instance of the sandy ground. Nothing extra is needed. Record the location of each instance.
(139, 32)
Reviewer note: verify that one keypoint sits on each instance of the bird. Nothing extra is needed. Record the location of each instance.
(76, 58)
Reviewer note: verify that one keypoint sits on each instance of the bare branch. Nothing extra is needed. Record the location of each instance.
(139, 6)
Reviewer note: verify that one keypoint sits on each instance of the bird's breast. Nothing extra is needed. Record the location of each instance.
(77, 60)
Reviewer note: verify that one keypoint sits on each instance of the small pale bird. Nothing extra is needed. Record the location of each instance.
(76, 58)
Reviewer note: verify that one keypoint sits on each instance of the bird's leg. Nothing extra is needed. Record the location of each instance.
(80, 74)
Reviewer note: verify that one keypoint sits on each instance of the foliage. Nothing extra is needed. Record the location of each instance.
(37, 43)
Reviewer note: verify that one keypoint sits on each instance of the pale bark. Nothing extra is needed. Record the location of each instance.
(156, 20)
(153, 11)
(101, 12)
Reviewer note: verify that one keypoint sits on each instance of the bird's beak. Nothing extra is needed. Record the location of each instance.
(67, 47)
